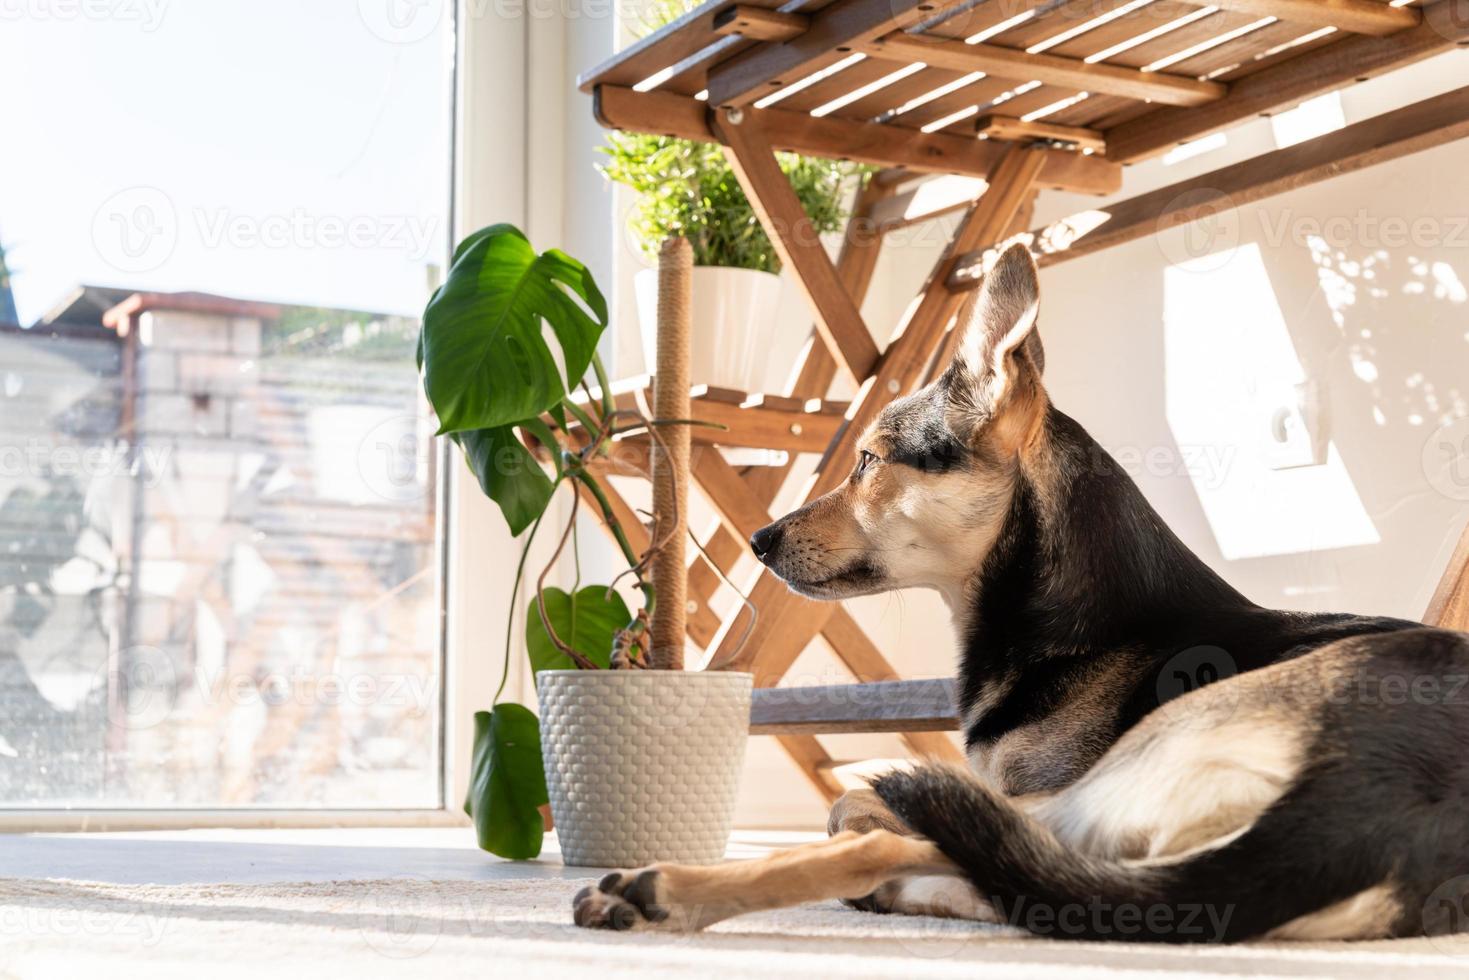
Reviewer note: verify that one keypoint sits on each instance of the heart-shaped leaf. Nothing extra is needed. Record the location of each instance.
(486, 363)
(507, 472)
(507, 782)
(587, 621)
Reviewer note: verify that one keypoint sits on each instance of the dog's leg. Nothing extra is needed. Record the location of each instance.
(684, 897)
(945, 896)
(861, 810)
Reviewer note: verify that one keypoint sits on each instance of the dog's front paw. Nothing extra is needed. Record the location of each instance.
(622, 900)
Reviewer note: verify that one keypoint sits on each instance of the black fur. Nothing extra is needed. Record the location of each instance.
(1109, 580)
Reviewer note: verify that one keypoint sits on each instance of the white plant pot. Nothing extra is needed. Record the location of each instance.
(735, 324)
(643, 765)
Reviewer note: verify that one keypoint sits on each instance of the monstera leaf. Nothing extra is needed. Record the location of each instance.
(486, 363)
(586, 620)
(507, 473)
(507, 784)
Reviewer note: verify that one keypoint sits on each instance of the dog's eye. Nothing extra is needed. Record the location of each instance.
(865, 461)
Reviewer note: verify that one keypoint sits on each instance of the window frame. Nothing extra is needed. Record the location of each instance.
(454, 726)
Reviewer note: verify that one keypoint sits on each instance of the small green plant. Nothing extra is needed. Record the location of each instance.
(688, 188)
(495, 384)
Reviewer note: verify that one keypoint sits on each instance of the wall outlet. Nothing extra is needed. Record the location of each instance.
(1294, 429)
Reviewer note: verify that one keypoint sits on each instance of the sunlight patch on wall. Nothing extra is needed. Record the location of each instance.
(1312, 118)
(1229, 365)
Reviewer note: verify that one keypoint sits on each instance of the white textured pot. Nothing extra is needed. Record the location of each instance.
(734, 322)
(643, 765)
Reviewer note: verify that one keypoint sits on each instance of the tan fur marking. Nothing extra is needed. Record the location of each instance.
(861, 810)
(944, 896)
(1190, 774)
(1369, 914)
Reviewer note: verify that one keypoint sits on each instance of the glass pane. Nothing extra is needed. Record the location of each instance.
(217, 554)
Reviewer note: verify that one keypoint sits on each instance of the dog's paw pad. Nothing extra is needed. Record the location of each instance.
(642, 892)
(620, 901)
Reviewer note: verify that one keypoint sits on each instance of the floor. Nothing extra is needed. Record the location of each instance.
(392, 903)
(263, 856)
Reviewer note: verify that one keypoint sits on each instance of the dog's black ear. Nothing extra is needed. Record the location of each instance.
(1000, 348)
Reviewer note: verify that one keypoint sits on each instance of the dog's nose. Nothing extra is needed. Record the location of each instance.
(764, 541)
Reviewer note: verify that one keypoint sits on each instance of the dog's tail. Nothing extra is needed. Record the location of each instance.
(1036, 882)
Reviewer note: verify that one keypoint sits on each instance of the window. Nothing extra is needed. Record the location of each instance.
(217, 495)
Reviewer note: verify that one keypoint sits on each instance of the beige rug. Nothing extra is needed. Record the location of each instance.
(521, 930)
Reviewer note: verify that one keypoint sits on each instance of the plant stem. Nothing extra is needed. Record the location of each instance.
(514, 601)
(590, 482)
(609, 405)
(578, 413)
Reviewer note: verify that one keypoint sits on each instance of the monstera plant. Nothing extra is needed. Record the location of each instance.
(497, 386)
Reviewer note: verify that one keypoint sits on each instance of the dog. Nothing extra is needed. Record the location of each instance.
(1152, 756)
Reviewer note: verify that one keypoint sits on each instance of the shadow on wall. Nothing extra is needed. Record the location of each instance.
(1307, 297)
(1374, 327)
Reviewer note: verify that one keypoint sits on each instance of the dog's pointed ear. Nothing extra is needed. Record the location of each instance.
(998, 363)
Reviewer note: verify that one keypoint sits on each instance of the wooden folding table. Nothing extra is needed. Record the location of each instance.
(968, 107)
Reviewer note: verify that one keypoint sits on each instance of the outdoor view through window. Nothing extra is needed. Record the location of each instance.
(217, 493)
